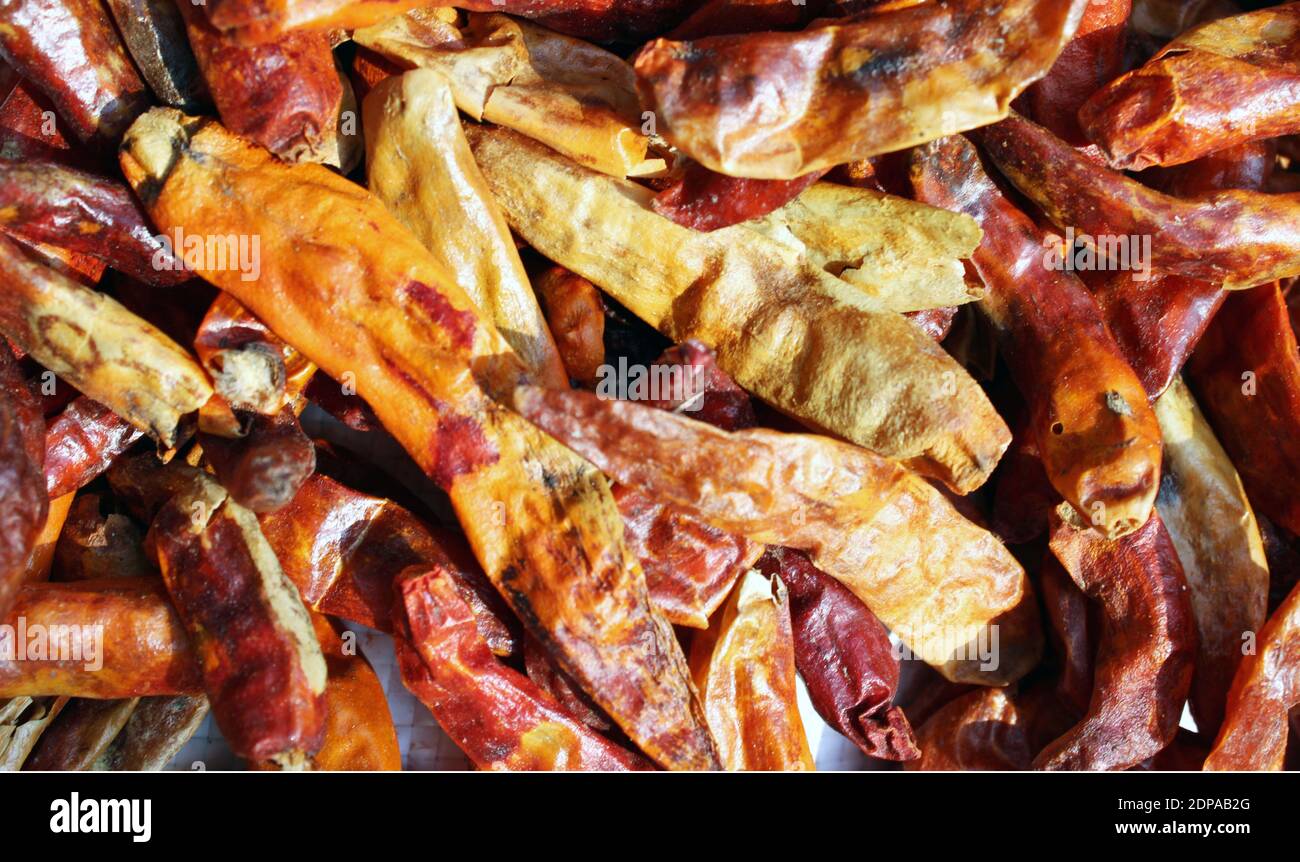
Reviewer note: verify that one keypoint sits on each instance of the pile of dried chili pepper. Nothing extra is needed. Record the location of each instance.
(670, 382)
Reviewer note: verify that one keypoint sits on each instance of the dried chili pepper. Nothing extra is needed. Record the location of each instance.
(22, 453)
(1092, 59)
(1236, 238)
(250, 367)
(421, 367)
(264, 469)
(70, 50)
(1145, 651)
(884, 532)
(97, 345)
(810, 346)
(262, 666)
(1246, 374)
(22, 721)
(570, 95)
(419, 164)
(1265, 689)
(689, 565)
(781, 105)
(154, 33)
(899, 253)
(497, 716)
(576, 317)
(1224, 83)
(80, 735)
(155, 732)
(1088, 413)
(1205, 509)
(744, 667)
(706, 200)
(85, 213)
(81, 443)
(359, 732)
(844, 656)
(343, 548)
(123, 640)
(294, 73)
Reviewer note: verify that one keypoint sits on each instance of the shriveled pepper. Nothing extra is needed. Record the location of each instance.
(884, 532)
(497, 716)
(1089, 415)
(262, 665)
(744, 667)
(1145, 651)
(844, 656)
(70, 50)
(22, 485)
(85, 213)
(1221, 84)
(1236, 238)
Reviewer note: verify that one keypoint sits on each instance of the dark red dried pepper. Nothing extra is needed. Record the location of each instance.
(1145, 650)
(70, 50)
(844, 656)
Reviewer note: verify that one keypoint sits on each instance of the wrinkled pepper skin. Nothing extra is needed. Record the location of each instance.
(1090, 418)
(284, 95)
(263, 669)
(343, 549)
(84, 213)
(1235, 238)
(1093, 58)
(690, 566)
(776, 326)
(1145, 651)
(885, 533)
(155, 732)
(542, 523)
(1246, 375)
(93, 342)
(80, 734)
(145, 648)
(1265, 689)
(705, 200)
(497, 716)
(981, 730)
(1204, 506)
(70, 50)
(1224, 83)
(1158, 322)
(781, 105)
(744, 668)
(22, 489)
(81, 443)
(844, 656)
